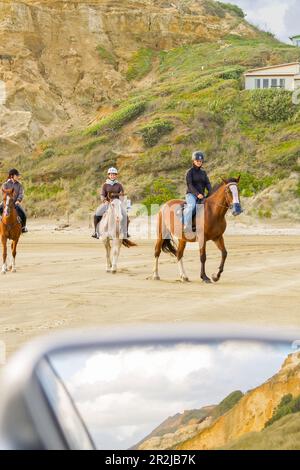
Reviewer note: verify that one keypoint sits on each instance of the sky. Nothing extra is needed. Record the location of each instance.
(280, 17)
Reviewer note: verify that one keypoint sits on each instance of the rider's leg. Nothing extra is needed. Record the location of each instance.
(21, 213)
(97, 218)
(1, 209)
(191, 202)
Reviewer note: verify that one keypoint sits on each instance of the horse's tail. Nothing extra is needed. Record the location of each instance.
(169, 246)
(128, 243)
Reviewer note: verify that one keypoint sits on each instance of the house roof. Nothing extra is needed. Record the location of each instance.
(270, 67)
(273, 67)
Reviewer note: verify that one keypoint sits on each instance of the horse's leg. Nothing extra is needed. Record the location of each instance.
(108, 250)
(180, 251)
(14, 254)
(221, 245)
(4, 251)
(204, 277)
(157, 252)
(115, 254)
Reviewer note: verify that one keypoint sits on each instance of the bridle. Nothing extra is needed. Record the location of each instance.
(227, 190)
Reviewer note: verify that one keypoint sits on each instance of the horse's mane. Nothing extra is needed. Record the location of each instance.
(225, 181)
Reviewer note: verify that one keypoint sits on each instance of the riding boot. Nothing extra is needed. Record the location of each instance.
(97, 220)
(128, 222)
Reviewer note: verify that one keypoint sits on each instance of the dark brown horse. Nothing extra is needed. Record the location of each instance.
(210, 224)
(10, 229)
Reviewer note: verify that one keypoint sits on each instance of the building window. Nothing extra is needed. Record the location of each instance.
(274, 83)
(257, 83)
(282, 83)
(265, 83)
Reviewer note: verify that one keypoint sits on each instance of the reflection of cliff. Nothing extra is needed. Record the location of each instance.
(238, 422)
(180, 427)
(61, 60)
(252, 412)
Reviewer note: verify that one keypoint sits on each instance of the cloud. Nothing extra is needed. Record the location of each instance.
(291, 18)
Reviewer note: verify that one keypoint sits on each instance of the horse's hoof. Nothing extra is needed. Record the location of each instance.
(184, 279)
(207, 280)
(215, 277)
(13, 270)
(3, 272)
(155, 277)
(108, 270)
(113, 271)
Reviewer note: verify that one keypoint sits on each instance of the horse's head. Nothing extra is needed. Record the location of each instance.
(231, 187)
(8, 200)
(116, 207)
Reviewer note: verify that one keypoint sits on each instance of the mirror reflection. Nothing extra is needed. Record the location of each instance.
(179, 396)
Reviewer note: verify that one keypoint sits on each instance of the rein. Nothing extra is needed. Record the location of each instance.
(226, 192)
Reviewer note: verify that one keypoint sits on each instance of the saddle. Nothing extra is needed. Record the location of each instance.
(180, 213)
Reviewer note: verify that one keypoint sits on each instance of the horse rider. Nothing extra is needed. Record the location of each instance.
(14, 183)
(197, 182)
(111, 186)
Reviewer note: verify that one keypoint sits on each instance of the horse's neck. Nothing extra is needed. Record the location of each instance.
(12, 217)
(217, 202)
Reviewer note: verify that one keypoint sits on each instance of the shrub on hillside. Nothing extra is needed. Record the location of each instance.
(232, 74)
(288, 405)
(272, 105)
(153, 131)
(229, 402)
(232, 9)
(140, 64)
(117, 119)
(158, 192)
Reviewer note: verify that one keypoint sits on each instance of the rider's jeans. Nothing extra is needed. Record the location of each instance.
(190, 208)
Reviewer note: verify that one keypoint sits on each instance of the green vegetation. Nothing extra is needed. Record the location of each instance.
(288, 405)
(158, 192)
(284, 434)
(272, 105)
(153, 131)
(107, 56)
(232, 9)
(117, 119)
(196, 101)
(140, 64)
(227, 404)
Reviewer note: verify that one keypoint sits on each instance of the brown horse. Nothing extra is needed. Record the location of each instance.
(210, 225)
(10, 229)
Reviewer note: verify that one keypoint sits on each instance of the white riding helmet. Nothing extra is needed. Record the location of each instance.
(112, 170)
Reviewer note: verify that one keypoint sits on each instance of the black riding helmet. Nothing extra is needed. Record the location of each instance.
(198, 156)
(13, 172)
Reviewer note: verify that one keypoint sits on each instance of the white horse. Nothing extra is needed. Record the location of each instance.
(113, 233)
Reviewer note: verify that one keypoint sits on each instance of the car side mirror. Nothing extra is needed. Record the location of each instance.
(154, 387)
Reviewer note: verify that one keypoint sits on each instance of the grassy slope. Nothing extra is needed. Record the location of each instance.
(282, 435)
(207, 109)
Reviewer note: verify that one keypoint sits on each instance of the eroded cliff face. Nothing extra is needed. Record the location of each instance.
(252, 412)
(53, 73)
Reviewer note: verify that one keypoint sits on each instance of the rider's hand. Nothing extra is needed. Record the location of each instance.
(200, 196)
(17, 203)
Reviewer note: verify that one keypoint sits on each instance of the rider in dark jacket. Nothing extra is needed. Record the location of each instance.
(13, 183)
(197, 183)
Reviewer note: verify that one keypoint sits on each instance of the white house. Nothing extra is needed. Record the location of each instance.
(286, 76)
(296, 40)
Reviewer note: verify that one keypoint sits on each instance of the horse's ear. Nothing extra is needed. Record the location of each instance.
(238, 178)
(223, 180)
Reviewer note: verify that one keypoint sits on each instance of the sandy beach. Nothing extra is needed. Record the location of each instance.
(61, 283)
